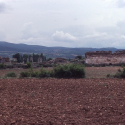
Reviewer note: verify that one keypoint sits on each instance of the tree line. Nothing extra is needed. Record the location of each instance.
(23, 57)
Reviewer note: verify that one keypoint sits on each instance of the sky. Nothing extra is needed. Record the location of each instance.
(66, 23)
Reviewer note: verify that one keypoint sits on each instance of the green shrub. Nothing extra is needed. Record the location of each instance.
(119, 70)
(120, 73)
(9, 66)
(44, 73)
(24, 74)
(78, 57)
(122, 65)
(47, 65)
(69, 71)
(10, 74)
(108, 75)
(35, 74)
(32, 73)
(29, 64)
(2, 66)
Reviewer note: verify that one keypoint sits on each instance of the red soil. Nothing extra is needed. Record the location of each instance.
(62, 102)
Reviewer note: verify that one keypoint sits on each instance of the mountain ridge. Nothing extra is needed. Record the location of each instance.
(50, 52)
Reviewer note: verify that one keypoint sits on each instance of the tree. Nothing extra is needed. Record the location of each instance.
(25, 56)
(17, 56)
(35, 57)
(78, 57)
(49, 59)
(43, 57)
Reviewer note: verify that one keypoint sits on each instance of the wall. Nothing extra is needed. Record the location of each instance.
(105, 57)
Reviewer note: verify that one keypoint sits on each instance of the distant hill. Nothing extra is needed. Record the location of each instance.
(8, 49)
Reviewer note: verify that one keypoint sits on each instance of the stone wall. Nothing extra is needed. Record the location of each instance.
(105, 57)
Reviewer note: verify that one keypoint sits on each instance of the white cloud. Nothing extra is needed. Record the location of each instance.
(29, 31)
(96, 35)
(2, 35)
(2, 7)
(65, 37)
(86, 23)
(121, 3)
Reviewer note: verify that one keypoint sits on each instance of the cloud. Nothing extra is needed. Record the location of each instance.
(63, 37)
(121, 24)
(29, 31)
(121, 3)
(31, 35)
(2, 35)
(2, 7)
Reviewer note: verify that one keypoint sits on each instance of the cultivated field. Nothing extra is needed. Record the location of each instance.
(62, 102)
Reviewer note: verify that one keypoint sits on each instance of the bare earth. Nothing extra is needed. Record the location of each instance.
(62, 102)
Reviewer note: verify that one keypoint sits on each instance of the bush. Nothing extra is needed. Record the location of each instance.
(38, 74)
(2, 66)
(69, 71)
(24, 74)
(35, 74)
(49, 59)
(47, 65)
(120, 73)
(10, 74)
(119, 70)
(32, 73)
(78, 57)
(44, 73)
(108, 75)
(9, 66)
(61, 71)
(29, 64)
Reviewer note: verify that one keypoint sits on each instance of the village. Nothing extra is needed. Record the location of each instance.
(37, 61)
(91, 58)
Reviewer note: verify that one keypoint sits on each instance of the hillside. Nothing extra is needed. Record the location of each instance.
(8, 49)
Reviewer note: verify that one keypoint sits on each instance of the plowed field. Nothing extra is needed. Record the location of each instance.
(62, 102)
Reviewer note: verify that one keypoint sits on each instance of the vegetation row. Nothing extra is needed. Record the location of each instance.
(60, 71)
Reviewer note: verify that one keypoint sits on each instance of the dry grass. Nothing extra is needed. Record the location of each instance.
(100, 72)
(91, 72)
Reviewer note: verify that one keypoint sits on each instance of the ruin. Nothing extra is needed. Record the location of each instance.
(31, 59)
(40, 60)
(105, 57)
(27, 59)
(60, 60)
(5, 59)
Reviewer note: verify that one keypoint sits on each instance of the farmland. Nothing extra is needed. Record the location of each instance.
(62, 101)
(95, 100)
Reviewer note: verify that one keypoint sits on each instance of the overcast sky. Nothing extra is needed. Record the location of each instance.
(67, 23)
